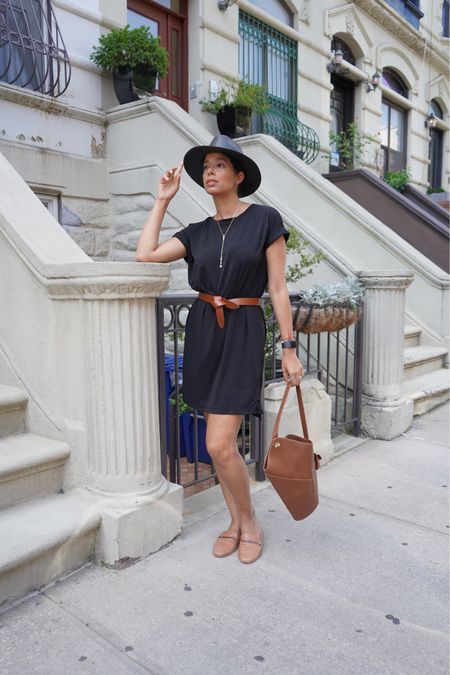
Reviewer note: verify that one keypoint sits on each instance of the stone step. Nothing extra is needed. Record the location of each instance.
(42, 540)
(412, 336)
(428, 390)
(13, 402)
(31, 466)
(422, 359)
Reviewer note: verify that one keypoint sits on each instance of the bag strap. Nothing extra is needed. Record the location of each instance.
(300, 407)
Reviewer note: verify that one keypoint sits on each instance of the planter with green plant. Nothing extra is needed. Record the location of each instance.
(350, 145)
(135, 59)
(329, 307)
(234, 104)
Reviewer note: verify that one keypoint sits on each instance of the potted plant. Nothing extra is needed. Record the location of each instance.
(349, 145)
(329, 308)
(234, 104)
(135, 59)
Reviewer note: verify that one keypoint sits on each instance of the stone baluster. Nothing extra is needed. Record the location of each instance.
(385, 412)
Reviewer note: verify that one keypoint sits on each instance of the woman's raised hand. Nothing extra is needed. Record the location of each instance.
(170, 182)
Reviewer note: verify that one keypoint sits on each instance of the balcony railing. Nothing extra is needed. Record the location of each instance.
(32, 50)
(298, 137)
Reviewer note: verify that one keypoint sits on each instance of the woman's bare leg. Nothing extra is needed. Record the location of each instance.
(221, 436)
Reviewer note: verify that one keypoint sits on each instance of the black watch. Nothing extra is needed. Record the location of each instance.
(288, 344)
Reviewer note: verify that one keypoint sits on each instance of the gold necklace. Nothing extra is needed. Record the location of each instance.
(224, 234)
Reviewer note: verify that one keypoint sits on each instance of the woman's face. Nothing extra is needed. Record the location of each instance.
(219, 174)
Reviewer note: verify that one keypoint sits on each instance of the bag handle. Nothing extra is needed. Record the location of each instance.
(300, 407)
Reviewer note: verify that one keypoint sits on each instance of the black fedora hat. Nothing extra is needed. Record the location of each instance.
(193, 163)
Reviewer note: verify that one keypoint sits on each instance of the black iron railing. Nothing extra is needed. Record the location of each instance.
(334, 358)
(32, 51)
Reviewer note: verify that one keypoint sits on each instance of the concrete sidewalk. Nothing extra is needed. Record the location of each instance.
(360, 587)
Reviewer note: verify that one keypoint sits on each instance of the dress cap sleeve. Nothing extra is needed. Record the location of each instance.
(183, 236)
(275, 227)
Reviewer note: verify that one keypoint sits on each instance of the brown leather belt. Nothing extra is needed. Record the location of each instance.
(218, 303)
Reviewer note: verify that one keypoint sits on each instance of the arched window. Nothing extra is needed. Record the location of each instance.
(436, 148)
(393, 123)
(276, 8)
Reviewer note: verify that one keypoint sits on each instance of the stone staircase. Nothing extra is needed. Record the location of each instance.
(43, 532)
(426, 380)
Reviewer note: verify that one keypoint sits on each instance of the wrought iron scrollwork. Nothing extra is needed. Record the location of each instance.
(298, 137)
(32, 50)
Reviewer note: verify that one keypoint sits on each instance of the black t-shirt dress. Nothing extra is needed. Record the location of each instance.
(223, 367)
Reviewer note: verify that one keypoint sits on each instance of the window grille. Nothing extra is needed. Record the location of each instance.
(268, 57)
(32, 51)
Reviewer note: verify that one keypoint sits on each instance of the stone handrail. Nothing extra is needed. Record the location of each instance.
(80, 339)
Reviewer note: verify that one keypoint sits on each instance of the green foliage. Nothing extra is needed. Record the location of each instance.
(182, 405)
(431, 190)
(131, 47)
(398, 179)
(240, 94)
(306, 261)
(350, 144)
(347, 292)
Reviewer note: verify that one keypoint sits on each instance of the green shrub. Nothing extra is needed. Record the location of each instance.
(131, 47)
(398, 179)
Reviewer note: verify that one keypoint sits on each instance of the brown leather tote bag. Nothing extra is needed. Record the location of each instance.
(291, 465)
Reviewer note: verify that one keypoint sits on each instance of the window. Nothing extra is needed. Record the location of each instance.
(277, 8)
(436, 149)
(409, 9)
(445, 18)
(51, 203)
(269, 57)
(32, 51)
(393, 124)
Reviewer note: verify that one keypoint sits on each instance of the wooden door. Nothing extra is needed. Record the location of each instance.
(168, 19)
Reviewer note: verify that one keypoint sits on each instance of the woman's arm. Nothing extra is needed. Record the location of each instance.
(279, 296)
(148, 249)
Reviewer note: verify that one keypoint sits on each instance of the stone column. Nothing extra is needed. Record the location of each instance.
(141, 511)
(385, 412)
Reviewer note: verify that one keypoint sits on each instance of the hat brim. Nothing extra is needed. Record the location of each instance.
(193, 163)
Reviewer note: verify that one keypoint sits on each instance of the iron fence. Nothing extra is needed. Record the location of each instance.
(32, 50)
(334, 358)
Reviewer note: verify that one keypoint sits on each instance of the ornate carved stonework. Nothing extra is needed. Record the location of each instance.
(350, 22)
(304, 13)
(406, 34)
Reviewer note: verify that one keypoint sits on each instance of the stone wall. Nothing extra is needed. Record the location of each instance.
(88, 223)
(129, 213)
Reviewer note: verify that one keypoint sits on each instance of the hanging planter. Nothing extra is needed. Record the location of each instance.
(329, 308)
(310, 318)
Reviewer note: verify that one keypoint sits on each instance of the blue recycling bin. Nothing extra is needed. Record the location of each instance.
(169, 365)
(187, 423)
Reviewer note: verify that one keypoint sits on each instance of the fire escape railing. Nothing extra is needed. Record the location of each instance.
(32, 50)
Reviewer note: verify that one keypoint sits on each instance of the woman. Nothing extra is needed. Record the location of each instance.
(231, 257)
